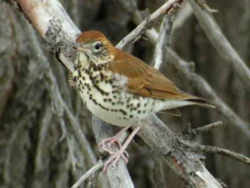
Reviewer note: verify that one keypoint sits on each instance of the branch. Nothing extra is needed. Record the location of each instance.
(136, 33)
(98, 166)
(218, 150)
(176, 154)
(219, 41)
(183, 15)
(43, 14)
(208, 127)
(163, 40)
(205, 89)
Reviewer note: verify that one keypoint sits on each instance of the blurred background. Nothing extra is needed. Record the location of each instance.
(34, 151)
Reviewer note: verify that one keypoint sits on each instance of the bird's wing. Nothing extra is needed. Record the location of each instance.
(144, 80)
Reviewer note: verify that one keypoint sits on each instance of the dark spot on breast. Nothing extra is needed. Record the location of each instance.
(123, 112)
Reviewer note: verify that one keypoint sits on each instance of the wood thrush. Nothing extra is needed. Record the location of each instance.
(121, 89)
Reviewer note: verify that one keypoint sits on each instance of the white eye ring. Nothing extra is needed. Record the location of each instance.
(97, 46)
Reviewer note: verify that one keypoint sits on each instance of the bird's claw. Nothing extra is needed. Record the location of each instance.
(114, 158)
(107, 145)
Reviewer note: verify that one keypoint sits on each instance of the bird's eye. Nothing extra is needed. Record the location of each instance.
(97, 46)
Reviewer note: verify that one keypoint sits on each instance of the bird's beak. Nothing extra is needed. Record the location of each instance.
(80, 47)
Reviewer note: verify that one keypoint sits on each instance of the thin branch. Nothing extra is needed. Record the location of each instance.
(44, 125)
(82, 140)
(182, 16)
(208, 127)
(135, 34)
(217, 150)
(206, 90)
(163, 40)
(220, 42)
(98, 166)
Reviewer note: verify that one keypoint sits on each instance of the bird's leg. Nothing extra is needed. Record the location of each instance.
(106, 144)
(115, 156)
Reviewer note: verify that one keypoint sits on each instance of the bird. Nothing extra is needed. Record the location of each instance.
(122, 89)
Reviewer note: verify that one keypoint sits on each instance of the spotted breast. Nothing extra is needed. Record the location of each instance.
(106, 96)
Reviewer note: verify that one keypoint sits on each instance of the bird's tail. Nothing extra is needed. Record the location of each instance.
(199, 101)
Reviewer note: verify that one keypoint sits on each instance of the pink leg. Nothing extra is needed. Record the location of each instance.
(115, 156)
(106, 144)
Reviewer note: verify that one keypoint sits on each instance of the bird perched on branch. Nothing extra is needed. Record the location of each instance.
(121, 89)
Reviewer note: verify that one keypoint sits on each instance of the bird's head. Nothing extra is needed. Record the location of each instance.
(95, 47)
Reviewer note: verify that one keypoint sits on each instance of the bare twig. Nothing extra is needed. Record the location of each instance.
(220, 42)
(208, 127)
(204, 5)
(98, 166)
(164, 9)
(218, 150)
(182, 16)
(205, 89)
(56, 96)
(163, 40)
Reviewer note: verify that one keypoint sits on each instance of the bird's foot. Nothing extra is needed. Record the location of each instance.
(107, 143)
(108, 146)
(115, 157)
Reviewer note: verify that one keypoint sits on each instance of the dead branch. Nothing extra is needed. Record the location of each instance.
(163, 41)
(206, 90)
(136, 33)
(220, 42)
(98, 166)
(217, 150)
(208, 127)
